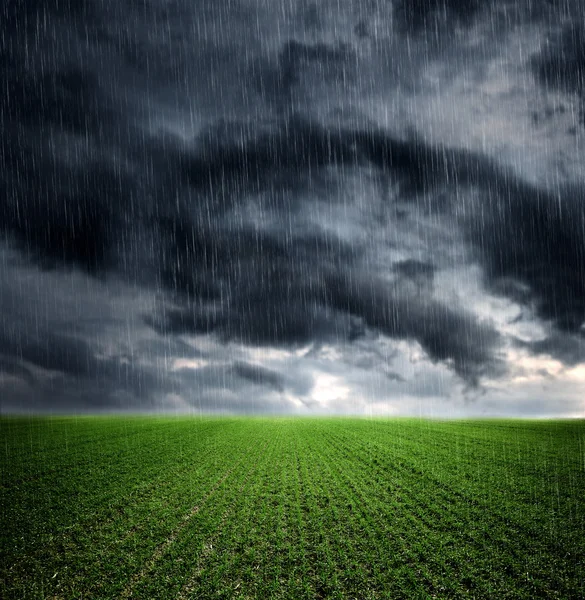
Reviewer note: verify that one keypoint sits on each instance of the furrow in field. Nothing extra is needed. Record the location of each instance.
(84, 553)
(478, 534)
(164, 546)
(98, 497)
(302, 525)
(263, 555)
(407, 469)
(317, 508)
(326, 576)
(261, 552)
(350, 522)
(177, 566)
(401, 519)
(340, 527)
(135, 549)
(454, 492)
(512, 461)
(210, 563)
(266, 550)
(290, 553)
(373, 537)
(431, 509)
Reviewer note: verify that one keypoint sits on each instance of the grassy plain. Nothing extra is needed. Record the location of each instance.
(148, 507)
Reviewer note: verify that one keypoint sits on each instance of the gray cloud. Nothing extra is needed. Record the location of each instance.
(569, 349)
(509, 228)
(300, 64)
(47, 359)
(259, 375)
(245, 183)
(561, 63)
(425, 15)
(446, 333)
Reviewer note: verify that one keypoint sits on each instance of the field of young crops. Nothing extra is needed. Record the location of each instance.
(291, 508)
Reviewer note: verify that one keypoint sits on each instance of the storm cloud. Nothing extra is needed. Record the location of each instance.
(221, 193)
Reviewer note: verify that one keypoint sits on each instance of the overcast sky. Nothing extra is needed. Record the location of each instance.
(365, 207)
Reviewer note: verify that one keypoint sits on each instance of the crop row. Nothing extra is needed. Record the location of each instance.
(294, 508)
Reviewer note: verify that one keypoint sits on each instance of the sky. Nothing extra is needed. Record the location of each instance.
(253, 206)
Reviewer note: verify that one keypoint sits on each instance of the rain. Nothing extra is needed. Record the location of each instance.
(308, 208)
(292, 299)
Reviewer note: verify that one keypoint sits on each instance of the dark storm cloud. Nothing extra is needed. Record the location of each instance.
(259, 375)
(283, 303)
(90, 181)
(261, 315)
(77, 360)
(227, 255)
(291, 148)
(426, 15)
(415, 269)
(446, 333)
(61, 215)
(569, 349)
(12, 366)
(59, 188)
(537, 240)
(69, 98)
(71, 341)
(241, 386)
(167, 347)
(432, 18)
(561, 63)
(521, 232)
(51, 352)
(328, 63)
(297, 148)
(298, 145)
(268, 288)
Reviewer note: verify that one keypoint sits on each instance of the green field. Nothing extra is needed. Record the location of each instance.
(148, 507)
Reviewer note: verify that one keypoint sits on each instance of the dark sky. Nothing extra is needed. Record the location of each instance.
(369, 207)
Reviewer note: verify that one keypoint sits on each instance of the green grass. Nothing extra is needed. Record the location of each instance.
(147, 507)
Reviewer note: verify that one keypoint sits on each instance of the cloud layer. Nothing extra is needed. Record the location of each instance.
(207, 203)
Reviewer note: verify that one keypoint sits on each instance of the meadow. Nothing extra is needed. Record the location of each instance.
(150, 507)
